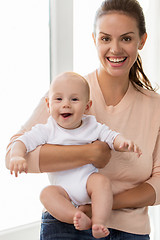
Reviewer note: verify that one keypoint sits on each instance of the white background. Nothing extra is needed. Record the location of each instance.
(24, 78)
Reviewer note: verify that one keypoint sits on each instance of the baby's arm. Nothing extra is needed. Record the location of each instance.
(18, 162)
(122, 144)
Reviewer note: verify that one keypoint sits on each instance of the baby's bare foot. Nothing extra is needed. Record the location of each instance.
(81, 221)
(99, 231)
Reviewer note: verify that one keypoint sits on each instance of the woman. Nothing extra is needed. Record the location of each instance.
(124, 99)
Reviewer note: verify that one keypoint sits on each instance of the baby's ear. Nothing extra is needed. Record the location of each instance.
(88, 106)
(47, 102)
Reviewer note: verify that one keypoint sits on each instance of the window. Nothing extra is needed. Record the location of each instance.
(24, 74)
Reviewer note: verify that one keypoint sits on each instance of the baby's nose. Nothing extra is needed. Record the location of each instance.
(66, 103)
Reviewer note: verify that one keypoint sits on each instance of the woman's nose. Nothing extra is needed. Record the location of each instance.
(115, 48)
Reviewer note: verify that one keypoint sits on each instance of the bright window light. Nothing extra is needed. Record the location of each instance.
(85, 56)
(24, 74)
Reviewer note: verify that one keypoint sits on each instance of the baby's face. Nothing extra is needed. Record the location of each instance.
(68, 101)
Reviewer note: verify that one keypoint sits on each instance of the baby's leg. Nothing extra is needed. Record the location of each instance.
(100, 191)
(57, 202)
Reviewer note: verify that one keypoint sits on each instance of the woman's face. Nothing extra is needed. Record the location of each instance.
(117, 42)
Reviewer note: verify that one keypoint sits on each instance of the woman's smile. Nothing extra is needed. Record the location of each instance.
(116, 61)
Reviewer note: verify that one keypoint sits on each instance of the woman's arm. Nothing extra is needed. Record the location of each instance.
(140, 196)
(57, 158)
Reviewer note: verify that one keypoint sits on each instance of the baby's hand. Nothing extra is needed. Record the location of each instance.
(18, 165)
(130, 146)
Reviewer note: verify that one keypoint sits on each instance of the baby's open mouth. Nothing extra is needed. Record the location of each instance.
(65, 115)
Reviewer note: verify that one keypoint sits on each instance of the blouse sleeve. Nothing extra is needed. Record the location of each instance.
(154, 181)
(39, 115)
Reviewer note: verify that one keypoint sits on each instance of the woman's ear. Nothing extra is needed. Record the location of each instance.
(88, 106)
(47, 102)
(142, 41)
(94, 38)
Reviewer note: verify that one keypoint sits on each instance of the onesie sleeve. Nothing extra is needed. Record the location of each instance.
(107, 135)
(37, 136)
(39, 115)
(154, 180)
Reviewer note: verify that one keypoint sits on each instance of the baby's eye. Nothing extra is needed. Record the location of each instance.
(59, 99)
(75, 99)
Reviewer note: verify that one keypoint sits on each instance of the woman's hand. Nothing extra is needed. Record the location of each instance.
(86, 209)
(101, 154)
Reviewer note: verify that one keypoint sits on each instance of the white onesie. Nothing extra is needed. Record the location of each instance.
(74, 180)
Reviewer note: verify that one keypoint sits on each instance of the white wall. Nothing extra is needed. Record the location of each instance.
(24, 78)
(24, 232)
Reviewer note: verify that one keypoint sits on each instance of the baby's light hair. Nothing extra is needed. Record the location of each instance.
(75, 75)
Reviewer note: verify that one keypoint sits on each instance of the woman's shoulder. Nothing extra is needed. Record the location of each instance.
(149, 94)
(90, 77)
(149, 98)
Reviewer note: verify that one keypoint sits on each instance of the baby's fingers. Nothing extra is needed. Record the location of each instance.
(15, 170)
(11, 167)
(130, 146)
(137, 150)
(22, 167)
(25, 168)
(124, 146)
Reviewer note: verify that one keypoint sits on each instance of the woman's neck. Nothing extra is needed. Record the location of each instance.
(113, 88)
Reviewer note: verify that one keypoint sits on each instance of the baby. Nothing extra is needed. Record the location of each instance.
(68, 103)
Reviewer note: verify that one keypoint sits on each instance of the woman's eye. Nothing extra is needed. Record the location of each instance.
(105, 39)
(127, 39)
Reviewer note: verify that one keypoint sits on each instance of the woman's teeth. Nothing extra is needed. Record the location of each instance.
(116, 60)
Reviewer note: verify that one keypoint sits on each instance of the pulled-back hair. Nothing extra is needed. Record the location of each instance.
(133, 9)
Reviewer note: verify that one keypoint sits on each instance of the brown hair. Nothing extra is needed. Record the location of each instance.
(133, 9)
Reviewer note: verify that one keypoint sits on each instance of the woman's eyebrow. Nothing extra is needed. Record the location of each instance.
(127, 33)
(104, 33)
(107, 34)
